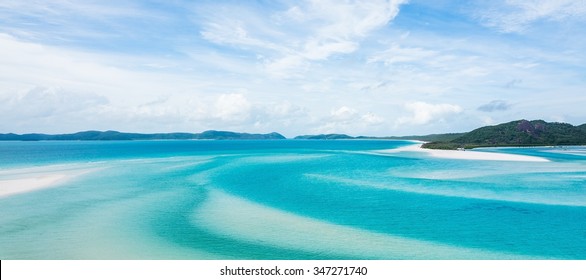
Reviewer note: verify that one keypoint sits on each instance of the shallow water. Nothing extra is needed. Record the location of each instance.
(290, 200)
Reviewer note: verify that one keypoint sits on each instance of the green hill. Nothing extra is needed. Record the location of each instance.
(229, 135)
(518, 133)
(325, 137)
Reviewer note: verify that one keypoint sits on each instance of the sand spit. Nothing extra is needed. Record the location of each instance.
(466, 154)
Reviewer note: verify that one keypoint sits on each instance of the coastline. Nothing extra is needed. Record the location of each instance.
(464, 155)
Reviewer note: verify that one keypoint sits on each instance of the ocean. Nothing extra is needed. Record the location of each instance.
(287, 200)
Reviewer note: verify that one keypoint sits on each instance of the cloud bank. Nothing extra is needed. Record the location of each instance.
(518, 15)
(424, 113)
(357, 67)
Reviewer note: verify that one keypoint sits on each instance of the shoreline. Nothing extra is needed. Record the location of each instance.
(465, 155)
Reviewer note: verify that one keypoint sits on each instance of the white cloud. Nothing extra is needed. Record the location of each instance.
(234, 32)
(284, 109)
(343, 114)
(113, 87)
(349, 120)
(49, 108)
(40, 8)
(26, 65)
(518, 15)
(372, 119)
(289, 66)
(63, 21)
(424, 113)
(310, 31)
(317, 50)
(232, 107)
(398, 54)
(346, 19)
(342, 24)
(42, 102)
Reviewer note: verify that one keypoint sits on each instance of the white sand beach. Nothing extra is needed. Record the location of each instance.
(17, 182)
(466, 154)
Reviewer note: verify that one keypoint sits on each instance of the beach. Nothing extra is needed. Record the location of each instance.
(465, 154)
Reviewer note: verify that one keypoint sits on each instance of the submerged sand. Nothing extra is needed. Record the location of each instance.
(257, 223)
(19, 181)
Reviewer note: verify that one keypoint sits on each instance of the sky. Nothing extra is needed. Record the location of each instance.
(377, 67)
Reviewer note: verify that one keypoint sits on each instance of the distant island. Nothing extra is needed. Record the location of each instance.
(115, 135)
(516, 133)
(325, 137)
(427, 138)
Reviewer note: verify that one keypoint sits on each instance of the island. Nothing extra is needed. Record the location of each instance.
(425, 138)
(324, 137)
(115, 135)
(516, 133)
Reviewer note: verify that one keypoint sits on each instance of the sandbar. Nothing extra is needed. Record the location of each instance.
(17, 182)
(466, 154)
(238, 218)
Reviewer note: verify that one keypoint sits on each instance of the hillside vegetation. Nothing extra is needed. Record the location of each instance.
(517, 133)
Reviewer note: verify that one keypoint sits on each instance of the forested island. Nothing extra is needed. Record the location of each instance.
(427, 138)
(516, 133)
(325, 137)
(115, 135)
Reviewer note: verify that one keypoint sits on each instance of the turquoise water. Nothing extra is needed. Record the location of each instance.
(289, 200)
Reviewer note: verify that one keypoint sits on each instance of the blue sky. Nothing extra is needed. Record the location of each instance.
(297, 67)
